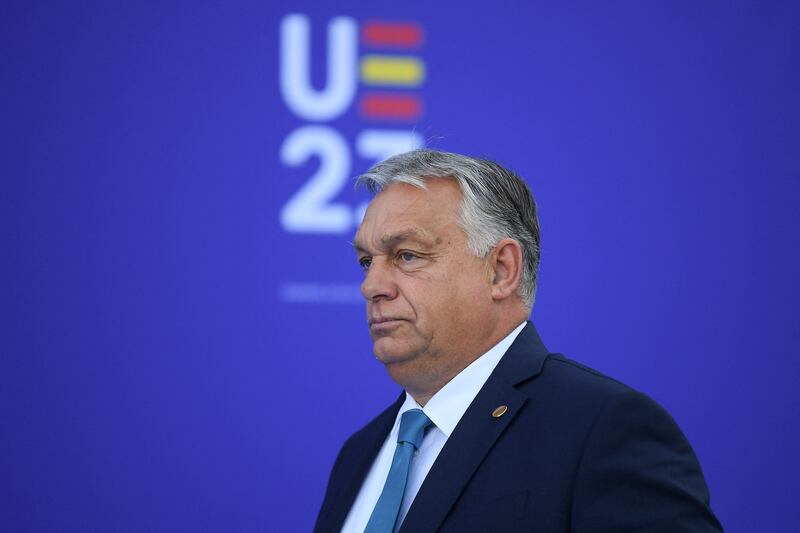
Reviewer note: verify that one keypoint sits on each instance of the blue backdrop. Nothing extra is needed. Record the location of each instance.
(183, 343)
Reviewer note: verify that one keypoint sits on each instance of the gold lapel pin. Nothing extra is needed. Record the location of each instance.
(500, 411)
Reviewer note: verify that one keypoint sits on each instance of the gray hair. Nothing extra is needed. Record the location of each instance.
(497, 203)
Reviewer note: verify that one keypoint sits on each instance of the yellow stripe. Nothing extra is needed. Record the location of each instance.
(392, 70)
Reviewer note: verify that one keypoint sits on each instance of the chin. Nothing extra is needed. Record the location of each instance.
(390, 352)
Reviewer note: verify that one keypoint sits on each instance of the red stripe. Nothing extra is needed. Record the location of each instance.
(390, 106)
(393, 34)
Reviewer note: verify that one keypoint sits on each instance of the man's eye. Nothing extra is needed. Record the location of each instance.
(407, 256)
(364, 263)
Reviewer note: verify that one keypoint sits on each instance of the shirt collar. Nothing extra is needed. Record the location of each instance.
(448, 405)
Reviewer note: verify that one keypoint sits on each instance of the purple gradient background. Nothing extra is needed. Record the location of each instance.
(152, 380)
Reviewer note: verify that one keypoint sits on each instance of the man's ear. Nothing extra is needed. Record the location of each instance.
(507, 268)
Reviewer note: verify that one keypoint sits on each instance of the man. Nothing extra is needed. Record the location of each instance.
(492, 433)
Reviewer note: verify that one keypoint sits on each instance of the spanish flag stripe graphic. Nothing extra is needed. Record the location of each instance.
(406, 71)
(391, 34)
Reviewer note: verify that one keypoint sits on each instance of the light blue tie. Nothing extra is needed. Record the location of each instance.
(413, 424)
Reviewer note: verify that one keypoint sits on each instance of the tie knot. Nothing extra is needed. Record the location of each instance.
(413, 424)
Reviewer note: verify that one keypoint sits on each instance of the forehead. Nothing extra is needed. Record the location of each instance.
(402, 209)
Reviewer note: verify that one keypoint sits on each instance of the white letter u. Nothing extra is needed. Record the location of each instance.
(299, 95)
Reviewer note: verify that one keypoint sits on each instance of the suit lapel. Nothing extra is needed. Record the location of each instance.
(476, 433)
(356, 462)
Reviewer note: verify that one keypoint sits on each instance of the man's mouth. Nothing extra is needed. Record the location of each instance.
(384, 323)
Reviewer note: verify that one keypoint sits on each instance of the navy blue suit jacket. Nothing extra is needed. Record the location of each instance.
(576, 451)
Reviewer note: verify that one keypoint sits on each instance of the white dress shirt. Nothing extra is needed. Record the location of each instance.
(445, 409)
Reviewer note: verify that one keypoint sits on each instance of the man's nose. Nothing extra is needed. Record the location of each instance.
(378, 282)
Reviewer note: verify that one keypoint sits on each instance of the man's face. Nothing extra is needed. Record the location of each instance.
(428, 297)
